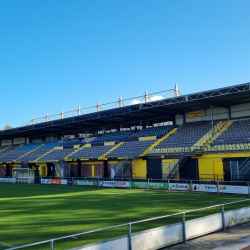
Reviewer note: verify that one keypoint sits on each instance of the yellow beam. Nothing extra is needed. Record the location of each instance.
(84, 146)
(28, 152)
(102, 157)
(158, 142)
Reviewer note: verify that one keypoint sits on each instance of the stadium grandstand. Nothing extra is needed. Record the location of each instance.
(203, 135)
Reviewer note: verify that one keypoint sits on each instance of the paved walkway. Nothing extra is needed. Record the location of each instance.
(232, 239)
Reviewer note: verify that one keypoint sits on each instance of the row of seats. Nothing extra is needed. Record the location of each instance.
(154, 131)
(90, 152)
(236, 137)
(186, 135)
(28, 152)
(237, 132)
(131, 148)
(113, 136)
(58, 154)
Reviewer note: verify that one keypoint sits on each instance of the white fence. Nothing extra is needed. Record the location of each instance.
(163, 236)
(168, 235)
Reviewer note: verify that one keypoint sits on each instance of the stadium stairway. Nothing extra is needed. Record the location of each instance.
(207, 139)
(84, 146)
(122, 166)
(174, 169)
(157, 143)
(58, 169)
(102, 157)
(4, 149)
(12, 150)
(16, 160)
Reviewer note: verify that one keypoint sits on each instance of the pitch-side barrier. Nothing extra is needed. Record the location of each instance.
(163, 236)
(194, 186)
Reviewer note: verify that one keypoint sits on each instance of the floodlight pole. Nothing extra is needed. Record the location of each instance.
(176, 90)
(146, 96)
(98, 107)
(79, 110)
(120, 102)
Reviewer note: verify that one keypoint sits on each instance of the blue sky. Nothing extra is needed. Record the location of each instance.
(58, 55)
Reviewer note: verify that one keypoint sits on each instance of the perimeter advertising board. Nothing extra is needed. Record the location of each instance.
(66, 182)
(45, 181)
(85, 183)
(123, 184)
(233, 189)
(6, 179)
(55, 181)
(150, 185)
(180, 186)
(205, 188)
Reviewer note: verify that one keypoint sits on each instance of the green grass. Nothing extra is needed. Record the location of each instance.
(31, 213)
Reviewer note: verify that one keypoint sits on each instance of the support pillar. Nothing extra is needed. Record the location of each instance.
(79, 169)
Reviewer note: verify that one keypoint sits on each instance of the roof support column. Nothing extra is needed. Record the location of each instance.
(184, 118)
(229, 113)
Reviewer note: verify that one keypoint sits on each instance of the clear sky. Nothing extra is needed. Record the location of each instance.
(58, 55)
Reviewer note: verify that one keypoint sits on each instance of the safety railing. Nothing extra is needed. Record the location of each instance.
(205, 178)
(129, 225)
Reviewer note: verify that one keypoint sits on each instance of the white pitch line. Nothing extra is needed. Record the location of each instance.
(5, 244)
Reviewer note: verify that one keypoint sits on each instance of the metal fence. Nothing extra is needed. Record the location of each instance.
(129, 225)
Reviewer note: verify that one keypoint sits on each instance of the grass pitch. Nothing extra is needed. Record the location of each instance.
(31, 213)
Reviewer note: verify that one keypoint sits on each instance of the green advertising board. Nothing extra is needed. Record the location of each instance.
(150, 185)
(85, 183)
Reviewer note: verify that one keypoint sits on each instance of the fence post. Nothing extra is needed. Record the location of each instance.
(98, 182)
(192, 186)
(169, 185)
(51, 245)
(218, 189)
(223, 218)
(248, 189)
(184, 228)
(129, 237)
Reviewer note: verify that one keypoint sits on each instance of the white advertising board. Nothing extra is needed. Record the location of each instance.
(45, 181)
(203, 225)
(63, 182)
(205, 188)
(149, 239)
(237, 216)
(180, 186)
(6, 179)
(124, 184)
(3, 179)
(233, 189)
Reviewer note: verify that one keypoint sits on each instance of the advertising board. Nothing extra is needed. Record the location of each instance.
(233, 189)
(56, 181)
(4, 179)
(150, 185)
(205, 188)
(124, 184)
(85, 183)
(66, 182)
(180, 186)
(45, 181)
